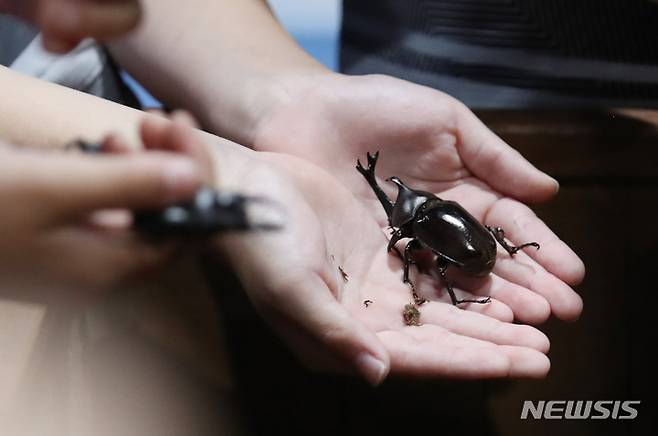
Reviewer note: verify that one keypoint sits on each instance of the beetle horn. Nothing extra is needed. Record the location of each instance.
(395, 180)
(404, 191)
(402, 188)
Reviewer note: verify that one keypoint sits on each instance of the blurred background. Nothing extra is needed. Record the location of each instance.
(314, 24)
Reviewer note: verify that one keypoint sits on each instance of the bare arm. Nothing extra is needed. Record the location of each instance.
(43, 115)
(229, 62)
(38, 114)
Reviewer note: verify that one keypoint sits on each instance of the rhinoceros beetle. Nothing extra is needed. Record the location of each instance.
(207, 213)
(210, 212)
(443, 227)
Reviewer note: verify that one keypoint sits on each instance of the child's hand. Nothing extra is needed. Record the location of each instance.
(47, 202)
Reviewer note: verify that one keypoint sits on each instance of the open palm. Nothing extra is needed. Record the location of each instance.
(293, 277)
(434, 143)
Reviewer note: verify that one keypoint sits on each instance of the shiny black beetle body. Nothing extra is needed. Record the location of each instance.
(444, 227)
(454, 235)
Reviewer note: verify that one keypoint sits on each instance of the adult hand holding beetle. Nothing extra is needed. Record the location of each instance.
(65, 23)
(311, 278)
(434, 143)
(46, 237)
(295, 278)
(272, 96)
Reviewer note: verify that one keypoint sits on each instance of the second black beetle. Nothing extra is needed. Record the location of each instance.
(444, 227)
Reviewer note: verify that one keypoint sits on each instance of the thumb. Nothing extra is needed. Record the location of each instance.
(499, 165)
(71, 185)
(325, 319)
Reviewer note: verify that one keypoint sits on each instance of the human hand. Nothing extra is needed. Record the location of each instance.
(65, 23)
(293, 277)
(51, 206)
(434, 143)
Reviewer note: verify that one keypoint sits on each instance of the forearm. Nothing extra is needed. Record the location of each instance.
(38, 114)
(226, 61)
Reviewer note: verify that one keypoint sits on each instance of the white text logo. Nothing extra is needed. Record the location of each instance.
(602, 409)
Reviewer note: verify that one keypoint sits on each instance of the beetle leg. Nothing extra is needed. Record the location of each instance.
(398, 253)
(395, 237)
(499, 234)
(369, 175)
(442, 267)
(407, 261)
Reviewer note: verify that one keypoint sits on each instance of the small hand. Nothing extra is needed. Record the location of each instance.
(51, 204)
(434, 143)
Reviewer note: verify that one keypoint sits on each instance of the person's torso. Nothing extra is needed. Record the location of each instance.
(510, 53)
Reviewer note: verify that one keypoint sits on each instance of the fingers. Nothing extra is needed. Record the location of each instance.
(178, 136)
(178, 116)
(491, 159)
(526, 362)
(429, 351)
(185, 118)
(526, 268)
(509, 301)
(521, 225)
(68, 185)
(526, 306)
(495, 309)
(426, 358)
(314, 307)
(479, 326)
(433, 288)
(160, 131)
(565, 303)
(115, 144)
(66, 22)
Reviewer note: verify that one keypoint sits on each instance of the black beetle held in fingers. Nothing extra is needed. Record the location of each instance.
(207, 213)
(443, 227)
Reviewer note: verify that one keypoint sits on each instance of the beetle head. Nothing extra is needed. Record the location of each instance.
(408, 202)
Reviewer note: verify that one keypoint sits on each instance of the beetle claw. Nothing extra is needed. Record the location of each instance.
(483, 301)
(372, 160)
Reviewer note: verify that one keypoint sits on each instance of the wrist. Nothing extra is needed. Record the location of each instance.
(259, 100)
(227, 159)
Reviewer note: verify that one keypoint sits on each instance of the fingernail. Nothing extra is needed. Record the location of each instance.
(372, 368)
(557, 185)
(181, 177)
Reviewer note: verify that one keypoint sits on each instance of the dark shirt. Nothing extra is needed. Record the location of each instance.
(510, 53)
